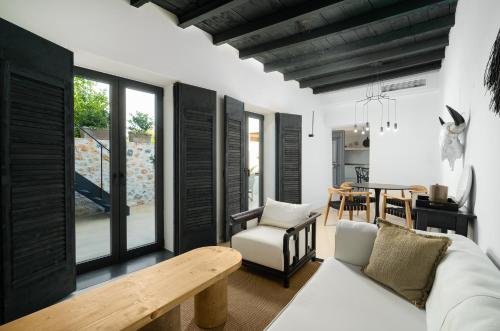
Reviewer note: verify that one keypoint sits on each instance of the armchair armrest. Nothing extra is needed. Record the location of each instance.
(243, 217)
(308, 225)
(297, 228)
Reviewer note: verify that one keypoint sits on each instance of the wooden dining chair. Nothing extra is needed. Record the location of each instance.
(402, 206)
(348, 200)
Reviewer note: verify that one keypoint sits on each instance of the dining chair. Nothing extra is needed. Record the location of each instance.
(348, 200)
(362, 174)
(402, 207)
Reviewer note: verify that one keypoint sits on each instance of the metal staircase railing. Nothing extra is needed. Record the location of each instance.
(101, 146)
(91, 190)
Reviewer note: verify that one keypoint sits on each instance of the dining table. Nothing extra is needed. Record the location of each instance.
(378, 187)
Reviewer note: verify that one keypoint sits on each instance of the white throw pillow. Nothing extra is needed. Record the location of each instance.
(284, 215)
(354, 241)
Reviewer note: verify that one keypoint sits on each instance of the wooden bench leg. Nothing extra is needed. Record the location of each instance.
(170, 321)
(210, 306)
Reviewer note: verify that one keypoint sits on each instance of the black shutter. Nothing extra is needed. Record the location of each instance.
(289, 158)
(195, 167)
(235, 197)
(38, 249)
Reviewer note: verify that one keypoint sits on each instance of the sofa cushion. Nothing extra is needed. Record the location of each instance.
(264, 245)
(284, 215)
(466, 291)
(339, 297)
(406, 261)
(354, 241)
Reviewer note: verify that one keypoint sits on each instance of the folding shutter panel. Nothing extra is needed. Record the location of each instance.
(235, 197)
(38, 257)
(195, 167)
(288, 158)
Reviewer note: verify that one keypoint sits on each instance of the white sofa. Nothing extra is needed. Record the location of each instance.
(465, 295)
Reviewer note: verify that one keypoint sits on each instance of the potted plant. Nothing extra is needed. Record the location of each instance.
(91, 110)
(140, 126)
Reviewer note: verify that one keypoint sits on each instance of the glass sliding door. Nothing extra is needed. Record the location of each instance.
(118, 169)
(254, 151)
(140, 108)
(92, 137)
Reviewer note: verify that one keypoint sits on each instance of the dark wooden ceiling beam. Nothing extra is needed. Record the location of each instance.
(442, 24)
(399, 9)
(391, 75)
(429, 57)
(138, 3)
(363, 60)
(210, 9)
(272, 20)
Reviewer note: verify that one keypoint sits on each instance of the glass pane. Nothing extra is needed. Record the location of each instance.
(92, 169)
(254, 190)
(141, 224)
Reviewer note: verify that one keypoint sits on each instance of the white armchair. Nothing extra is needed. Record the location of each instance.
(274, 250)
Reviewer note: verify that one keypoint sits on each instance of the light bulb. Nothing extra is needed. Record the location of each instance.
(355, 128)
(363, 132)
(367, 126)
(388, 126)
(395, 127)
(381, 130)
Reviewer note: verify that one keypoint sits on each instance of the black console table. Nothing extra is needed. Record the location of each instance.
(443, 219)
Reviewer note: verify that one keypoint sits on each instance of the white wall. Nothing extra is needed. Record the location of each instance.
(409, 156)
(471, 39)
(145, 44)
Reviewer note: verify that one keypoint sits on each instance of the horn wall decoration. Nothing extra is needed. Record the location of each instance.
(492, 76)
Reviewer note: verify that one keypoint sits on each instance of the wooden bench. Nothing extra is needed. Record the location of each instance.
(148, 299)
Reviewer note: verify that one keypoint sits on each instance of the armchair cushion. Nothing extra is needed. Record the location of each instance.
(264, 245)
(284, 215)
(354, 242)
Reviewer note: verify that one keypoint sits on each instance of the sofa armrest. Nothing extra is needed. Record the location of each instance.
(354, 242)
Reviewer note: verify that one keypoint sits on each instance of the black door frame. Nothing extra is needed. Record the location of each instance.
(260, 117)
(119, 252)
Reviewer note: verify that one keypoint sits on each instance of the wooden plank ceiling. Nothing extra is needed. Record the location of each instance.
(326, 45)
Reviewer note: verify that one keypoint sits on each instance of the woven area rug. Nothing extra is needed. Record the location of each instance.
(253, 299)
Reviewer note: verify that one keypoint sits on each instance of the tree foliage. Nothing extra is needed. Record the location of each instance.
(91, 105)
(140, 123)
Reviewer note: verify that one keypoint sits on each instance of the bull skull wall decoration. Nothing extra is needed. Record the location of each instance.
(452, 137)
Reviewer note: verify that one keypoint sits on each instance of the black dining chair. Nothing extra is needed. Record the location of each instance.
(348, 201)
(362, 174)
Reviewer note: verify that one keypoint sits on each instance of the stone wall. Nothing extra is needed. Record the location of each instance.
(140, 172)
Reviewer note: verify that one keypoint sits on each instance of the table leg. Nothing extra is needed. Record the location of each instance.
(422, 221)
(462, 225)
(210, 305)
(170, 321)
(377, 204)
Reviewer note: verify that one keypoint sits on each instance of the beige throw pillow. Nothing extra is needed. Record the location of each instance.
(284, 215)
(406, 261)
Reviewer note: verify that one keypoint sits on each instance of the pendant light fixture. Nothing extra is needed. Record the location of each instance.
(374, 94)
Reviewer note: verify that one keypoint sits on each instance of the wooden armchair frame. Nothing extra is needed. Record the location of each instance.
(348, 201)
(309, 226)
(405, 202)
